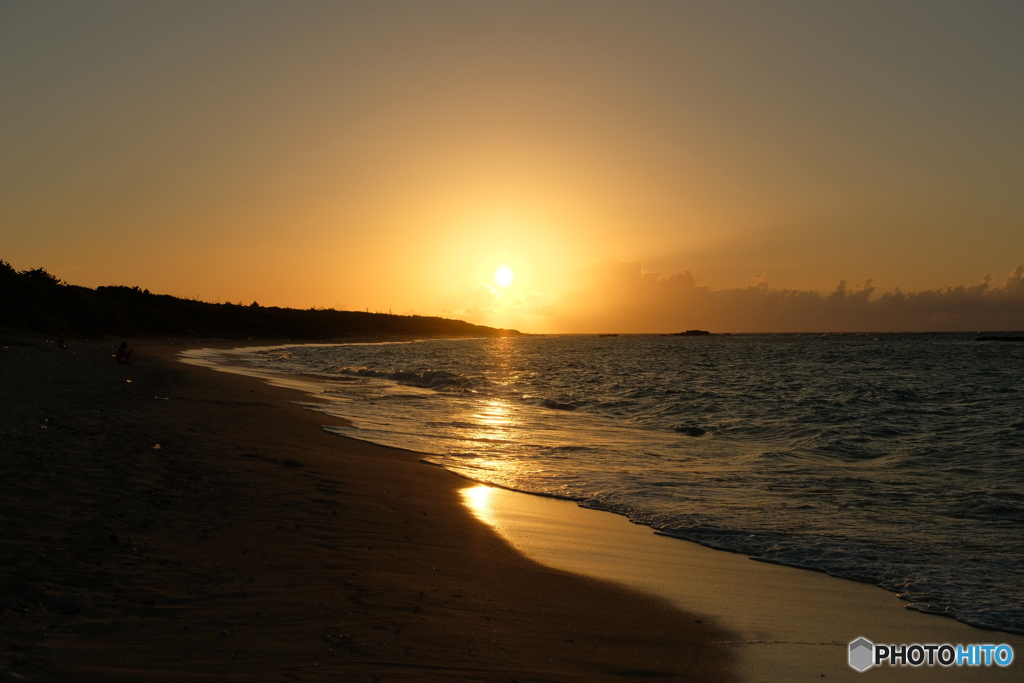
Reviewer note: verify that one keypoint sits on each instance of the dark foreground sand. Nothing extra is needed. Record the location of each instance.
(163, 522)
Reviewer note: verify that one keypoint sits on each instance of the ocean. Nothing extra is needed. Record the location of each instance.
(892, 459)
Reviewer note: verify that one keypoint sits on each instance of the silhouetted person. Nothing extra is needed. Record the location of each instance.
(124, 354)
(61, 344)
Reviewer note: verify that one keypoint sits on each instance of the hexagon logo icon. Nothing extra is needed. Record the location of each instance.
(862, 654)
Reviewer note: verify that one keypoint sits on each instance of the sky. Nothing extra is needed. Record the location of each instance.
(639, 166)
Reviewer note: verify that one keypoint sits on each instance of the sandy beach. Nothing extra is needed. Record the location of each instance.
(167, 522)
(785, 624)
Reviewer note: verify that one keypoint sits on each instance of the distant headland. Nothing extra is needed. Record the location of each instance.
(37, 301)
(690, 333)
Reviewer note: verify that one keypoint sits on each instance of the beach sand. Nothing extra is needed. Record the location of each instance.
(165, 522)
(786, 624)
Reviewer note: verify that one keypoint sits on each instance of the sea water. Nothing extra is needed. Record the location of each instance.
(894, 459)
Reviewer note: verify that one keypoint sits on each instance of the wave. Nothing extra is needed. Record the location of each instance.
(557, 405)
(690, 430)
(438, 380)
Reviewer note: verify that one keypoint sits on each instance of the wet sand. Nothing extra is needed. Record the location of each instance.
(166, 522)
(786, 624)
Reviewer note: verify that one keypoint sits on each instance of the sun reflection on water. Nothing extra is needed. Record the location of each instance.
(493, 421)
(495, 413)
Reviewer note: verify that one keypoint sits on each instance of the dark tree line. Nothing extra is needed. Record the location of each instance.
(34, 300)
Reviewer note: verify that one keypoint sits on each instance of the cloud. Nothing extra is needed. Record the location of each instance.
(619, 296)
(488, 305)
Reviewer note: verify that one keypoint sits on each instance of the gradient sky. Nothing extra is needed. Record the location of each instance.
(640, 166)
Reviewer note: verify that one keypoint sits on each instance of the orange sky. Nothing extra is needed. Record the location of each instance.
(392, 155)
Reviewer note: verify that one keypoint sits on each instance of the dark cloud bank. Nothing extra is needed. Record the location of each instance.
(619, 296)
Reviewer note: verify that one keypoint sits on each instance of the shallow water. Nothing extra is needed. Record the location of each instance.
(891, 459)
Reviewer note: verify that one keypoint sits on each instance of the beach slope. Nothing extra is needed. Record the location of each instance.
(166, 522)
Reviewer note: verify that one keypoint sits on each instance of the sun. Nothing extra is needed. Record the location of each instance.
(504, 276)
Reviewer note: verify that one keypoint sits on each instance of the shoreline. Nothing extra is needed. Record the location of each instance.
(165, 522)
(313, 384)
(787, 623)
(804, 640)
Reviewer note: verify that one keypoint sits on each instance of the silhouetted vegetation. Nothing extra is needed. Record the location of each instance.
(34, 300)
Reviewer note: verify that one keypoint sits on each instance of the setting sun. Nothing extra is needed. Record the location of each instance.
(504, 276)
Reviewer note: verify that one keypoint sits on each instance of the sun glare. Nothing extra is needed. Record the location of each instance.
(478, 499)
(504, 276)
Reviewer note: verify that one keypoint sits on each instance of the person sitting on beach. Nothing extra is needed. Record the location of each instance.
(124, 354)
(61, 344)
